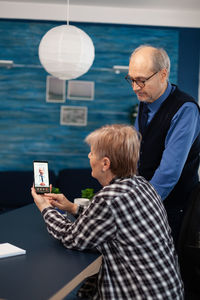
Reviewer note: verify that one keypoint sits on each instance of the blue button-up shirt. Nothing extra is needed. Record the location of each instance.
(185, 126)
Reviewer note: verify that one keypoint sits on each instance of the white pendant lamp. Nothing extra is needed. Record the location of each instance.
(66, 52)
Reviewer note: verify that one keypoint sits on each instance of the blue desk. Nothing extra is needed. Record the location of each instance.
(48, 270)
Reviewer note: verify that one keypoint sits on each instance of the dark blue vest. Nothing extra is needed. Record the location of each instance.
(153, 144)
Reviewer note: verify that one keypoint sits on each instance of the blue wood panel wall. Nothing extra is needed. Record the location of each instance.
(30, 127)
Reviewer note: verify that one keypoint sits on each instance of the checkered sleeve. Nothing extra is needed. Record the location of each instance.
(93, 227)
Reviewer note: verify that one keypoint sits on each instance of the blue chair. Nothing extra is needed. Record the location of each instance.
(72, 181)
(15, 188)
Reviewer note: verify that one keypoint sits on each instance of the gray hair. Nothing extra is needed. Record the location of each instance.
(160, 58)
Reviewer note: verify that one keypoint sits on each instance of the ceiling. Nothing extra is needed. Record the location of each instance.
(183, 13)
(151, 4)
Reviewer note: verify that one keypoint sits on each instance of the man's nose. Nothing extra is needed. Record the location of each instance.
(135, 86)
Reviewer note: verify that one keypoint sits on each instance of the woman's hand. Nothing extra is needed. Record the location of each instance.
(61, 202)
(40, 200)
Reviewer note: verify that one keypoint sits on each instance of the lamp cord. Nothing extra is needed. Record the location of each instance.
(67, 12)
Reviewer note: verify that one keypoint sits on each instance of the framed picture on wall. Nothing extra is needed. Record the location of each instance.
(73, 115)
(55, 89)
(80, 90)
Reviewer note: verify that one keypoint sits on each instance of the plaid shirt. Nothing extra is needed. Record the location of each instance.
(127, 223)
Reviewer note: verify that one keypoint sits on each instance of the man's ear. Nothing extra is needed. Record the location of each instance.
(105, 164)
(164, 74)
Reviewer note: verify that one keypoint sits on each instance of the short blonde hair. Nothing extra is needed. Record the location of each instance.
(121, 144)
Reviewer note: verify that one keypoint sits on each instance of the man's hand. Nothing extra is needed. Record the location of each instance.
(61, 202)
(40, 200)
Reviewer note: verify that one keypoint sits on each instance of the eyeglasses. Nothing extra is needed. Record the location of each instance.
(140, 83)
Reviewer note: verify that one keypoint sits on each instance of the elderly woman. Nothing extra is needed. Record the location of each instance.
(125, 221)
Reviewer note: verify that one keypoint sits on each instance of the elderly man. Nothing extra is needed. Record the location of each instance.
(169, 122)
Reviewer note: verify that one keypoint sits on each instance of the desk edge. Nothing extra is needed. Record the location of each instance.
(92, 269)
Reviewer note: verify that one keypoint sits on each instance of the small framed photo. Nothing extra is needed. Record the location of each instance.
(55, 90)
(80, 90)
(73, 115)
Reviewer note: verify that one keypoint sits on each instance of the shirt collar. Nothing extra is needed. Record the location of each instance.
(115, 179)
(154, 106)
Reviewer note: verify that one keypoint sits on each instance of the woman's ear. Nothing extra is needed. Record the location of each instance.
(105, 164)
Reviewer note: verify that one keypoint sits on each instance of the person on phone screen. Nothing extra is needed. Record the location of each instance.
(126, 221)
(41, 172)
(41, 177)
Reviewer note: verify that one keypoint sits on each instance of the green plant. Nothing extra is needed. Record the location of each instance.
(87, 193)
(55, 190)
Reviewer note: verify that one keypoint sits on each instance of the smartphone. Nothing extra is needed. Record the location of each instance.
(41, 177)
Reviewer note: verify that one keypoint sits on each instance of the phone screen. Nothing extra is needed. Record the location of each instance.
(41, 177)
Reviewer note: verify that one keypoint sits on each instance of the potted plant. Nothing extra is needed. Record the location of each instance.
(86, 196)
(87, 193)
